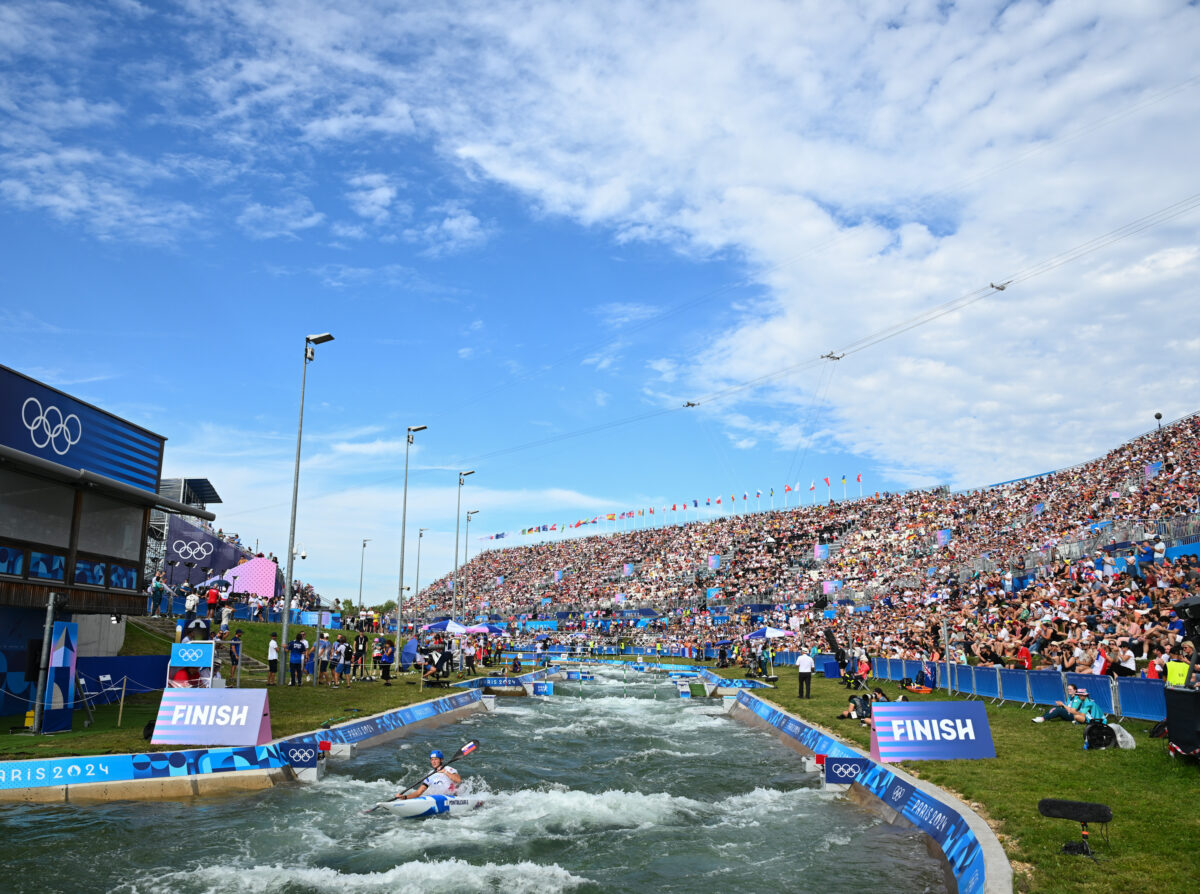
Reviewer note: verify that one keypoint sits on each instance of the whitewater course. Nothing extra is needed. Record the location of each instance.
(614, 784)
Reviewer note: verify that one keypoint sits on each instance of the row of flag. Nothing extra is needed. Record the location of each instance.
(682, 506)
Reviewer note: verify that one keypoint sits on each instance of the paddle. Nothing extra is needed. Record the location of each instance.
(468, 748)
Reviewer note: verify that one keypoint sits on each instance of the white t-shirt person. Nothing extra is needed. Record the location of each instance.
(441, 782)
(805, 663)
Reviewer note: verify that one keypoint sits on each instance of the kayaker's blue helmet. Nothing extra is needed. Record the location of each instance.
(437, 754)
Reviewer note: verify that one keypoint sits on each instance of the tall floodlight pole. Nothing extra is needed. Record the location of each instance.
(467, 537)
(417, 583)
(412, 429)
(309, 353)
(462, 478)
(361, 564)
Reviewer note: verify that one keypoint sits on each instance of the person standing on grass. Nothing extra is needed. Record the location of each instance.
(296, 649)
(360, 653)
(235, 655)
(272, 659)
(804, 668)
(323, 650)
(338, 660)
(387, 657)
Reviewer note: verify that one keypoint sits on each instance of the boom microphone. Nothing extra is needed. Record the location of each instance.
(831, 639)
(1079, 811)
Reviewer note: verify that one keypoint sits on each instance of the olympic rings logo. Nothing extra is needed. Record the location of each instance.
(897, 794)
(192, 549)
(189, 654)
(50, 428)
(845, 770)
(301, 755)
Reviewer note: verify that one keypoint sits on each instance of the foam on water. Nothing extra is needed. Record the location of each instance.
(415, 877)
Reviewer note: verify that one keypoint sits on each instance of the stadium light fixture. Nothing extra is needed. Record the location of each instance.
(408, 440)
(462, 477)
(309, 354)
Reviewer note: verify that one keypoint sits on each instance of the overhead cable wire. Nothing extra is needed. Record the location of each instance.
(706, 296)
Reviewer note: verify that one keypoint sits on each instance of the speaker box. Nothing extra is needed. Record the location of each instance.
(1183, 718)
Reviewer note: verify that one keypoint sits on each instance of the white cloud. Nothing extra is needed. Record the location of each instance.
(450, 228)
(619, 313)
(348, 231)
(373, 196)
(465, 353)
(666, 368)
(273, 221)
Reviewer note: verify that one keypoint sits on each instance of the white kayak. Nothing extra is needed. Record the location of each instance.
(433, 805)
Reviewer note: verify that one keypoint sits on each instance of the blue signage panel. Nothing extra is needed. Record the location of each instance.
(187, 542)
(942, 823)
(908, 731)
(844, 770)
(192, 654)
(46, 423)
(123, 767)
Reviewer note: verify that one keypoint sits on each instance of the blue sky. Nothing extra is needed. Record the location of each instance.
(535, 219)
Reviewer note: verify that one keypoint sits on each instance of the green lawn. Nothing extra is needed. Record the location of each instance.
(1155, 824)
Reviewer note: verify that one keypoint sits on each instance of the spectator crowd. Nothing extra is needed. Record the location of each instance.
(1068, 569)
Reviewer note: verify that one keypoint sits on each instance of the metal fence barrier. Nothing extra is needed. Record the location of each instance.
(1134, 697)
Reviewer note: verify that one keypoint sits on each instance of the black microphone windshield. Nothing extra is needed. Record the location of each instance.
(1078, 811)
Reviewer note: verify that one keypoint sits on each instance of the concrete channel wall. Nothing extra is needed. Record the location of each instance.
(971, 854)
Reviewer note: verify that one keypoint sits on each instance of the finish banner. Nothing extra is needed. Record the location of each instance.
(926, 731)
(213, 717)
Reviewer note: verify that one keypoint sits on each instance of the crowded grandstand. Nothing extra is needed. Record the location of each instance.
(1076, 569)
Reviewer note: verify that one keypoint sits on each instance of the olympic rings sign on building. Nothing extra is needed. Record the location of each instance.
(301, 755)
(192, 549)
(48, 427)
(190, 654)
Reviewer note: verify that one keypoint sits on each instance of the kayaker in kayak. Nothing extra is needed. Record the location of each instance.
(444, 780)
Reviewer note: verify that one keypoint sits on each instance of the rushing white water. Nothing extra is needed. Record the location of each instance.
(616, 791)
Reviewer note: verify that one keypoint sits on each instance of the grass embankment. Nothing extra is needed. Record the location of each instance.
(1155, 824)
(293, 710)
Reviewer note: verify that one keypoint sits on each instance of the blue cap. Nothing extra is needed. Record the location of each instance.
(437, 754)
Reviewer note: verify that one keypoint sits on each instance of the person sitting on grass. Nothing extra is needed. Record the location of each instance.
(1078, 708)
(858, 709)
